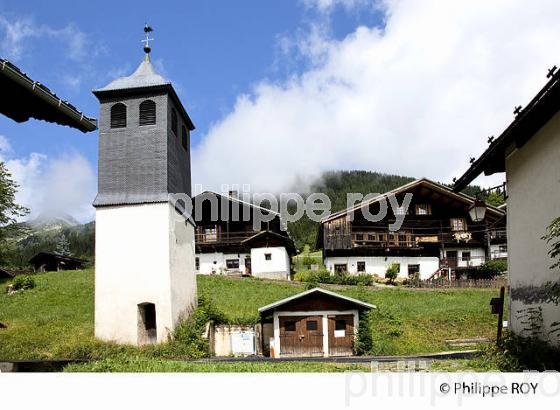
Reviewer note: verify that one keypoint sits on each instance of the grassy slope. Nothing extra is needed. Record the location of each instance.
(56, 318)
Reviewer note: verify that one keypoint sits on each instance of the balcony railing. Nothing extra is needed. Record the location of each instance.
(214, 237)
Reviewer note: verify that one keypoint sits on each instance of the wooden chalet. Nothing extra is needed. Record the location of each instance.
(314, 323)
(227, 241)
(48, 262)
(437, 237)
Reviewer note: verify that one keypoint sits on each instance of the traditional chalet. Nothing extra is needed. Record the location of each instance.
(437, 237)
(226, 244)
(528, 152)
(313, 323)
(47, 262)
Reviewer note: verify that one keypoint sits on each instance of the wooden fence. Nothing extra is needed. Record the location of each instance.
(495, 283)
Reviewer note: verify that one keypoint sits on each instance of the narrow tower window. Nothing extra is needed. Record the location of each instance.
(174, 121)
(184, 138)
(118, 115)
(147, 112)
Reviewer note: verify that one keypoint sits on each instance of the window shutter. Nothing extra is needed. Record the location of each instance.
(118, 116)
(147, 112)
(174, 121)
(184, 138)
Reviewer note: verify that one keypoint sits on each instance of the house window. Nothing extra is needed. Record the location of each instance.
(359, 236)
(372, 237)
(340, 268)
(503, 248)
(361, 266)
(423, 209)
(289, 326)
(210, 234)
(197, 263)
(340, 324)
(174, 121)
(465, 256)
(458, 224)
(267, 256)
(413, 270)
(311, 325)
(147, 112)
(401, 210)
(232, 263)
(118, 115)
(184, 138)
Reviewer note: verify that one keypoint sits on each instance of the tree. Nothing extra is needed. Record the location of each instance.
(63, 246)
(9, 209)
(552, 237)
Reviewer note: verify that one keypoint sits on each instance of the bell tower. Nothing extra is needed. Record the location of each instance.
(144, 247)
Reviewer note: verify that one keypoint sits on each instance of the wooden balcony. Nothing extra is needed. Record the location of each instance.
(211, 237)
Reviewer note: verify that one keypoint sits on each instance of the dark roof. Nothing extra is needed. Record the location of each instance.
(526, 124)
(406, 187)
(272, 237)
(317, 291)
(24, 98)
(234, 199)
(54, 256)
(144, 79)
(5, 274)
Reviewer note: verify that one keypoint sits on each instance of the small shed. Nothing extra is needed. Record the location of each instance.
(48, 262)
(313, 323)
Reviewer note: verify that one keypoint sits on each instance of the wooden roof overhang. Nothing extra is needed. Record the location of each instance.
(24, 98)
(526, 124)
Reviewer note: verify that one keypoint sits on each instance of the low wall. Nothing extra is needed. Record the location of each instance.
(235, 340)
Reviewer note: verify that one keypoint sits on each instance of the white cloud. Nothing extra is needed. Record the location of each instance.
(55, 186)
(418, 97)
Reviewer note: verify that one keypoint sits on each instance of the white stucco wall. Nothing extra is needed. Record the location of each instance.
(278, 267)
(143, 254)
(533, 186)
(478, 256)
(377, 265)
(214, 263)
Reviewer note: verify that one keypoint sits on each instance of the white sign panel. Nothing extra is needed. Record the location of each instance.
(243, 343)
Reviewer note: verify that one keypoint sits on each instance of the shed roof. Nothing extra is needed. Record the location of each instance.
(25, 98)
(319, 291)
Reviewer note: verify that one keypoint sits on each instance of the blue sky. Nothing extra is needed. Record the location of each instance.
(281, 91)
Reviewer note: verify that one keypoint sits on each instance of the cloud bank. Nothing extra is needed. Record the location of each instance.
(52, 186)
(416, 97)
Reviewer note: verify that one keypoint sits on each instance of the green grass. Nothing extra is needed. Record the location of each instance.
(141, 364)
(55, 319)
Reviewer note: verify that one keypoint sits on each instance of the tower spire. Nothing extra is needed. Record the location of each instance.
(146, 41)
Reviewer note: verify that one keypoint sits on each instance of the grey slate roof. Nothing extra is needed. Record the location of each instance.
(144, 76)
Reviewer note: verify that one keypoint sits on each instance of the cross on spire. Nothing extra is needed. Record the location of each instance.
(551, 72)
(146, 41)
(517, 110)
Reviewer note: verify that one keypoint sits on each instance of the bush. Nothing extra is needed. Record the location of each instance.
(392, 272)
(490, 269)
(23, 283)
(325, 276)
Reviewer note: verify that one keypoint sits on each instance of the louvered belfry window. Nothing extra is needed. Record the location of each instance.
(184, 138)
(147, 112)
(174, 121)
(118, 115)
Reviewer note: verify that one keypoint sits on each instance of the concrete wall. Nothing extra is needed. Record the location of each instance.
(533, 184)
(142, 256)
(377, 265)
(215, 263)
(223, 340)
(278, 267)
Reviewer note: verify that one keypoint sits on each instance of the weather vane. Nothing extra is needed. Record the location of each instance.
(147, 30)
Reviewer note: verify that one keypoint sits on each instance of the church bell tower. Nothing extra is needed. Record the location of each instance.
(144, 247)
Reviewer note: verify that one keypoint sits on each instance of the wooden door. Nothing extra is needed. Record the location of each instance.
(248, 266)
(301, 336)
(341, 335)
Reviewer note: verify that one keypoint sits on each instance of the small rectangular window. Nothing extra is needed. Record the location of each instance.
(466, 256)
(361, 266)
(340, 268)
(458, 224)
(267, 256)
(232, 263)
(289, 326)
(311, 325)
(423, 209)
(340, 324)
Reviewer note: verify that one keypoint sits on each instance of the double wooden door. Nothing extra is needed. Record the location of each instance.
(301, 336)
